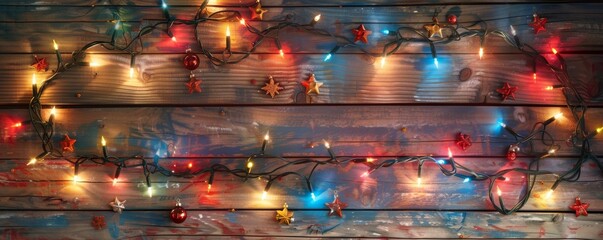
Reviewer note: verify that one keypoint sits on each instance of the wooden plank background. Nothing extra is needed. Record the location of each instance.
(407, 108)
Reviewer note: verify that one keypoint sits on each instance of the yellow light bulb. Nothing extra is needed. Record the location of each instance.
(548, 194)
(114, 181)
(264, 194)
(327, 145)
(548, 88)
(53, 111)
(558, 115)
(280, 52)
(266, 137)
(131, 72)
(242, 21)
(32, 161)
(55, 45)
(382, 62)
(174, 39)
(76, 178)
(599, 129)
(103, 141)
(208, 188)
(370, 159)
(317, 18)
(418, 181)
(228, 31)
(449, 153)
(33, 79)
(554, 50)
(150, 191)
(481, 52)
(250, 165)
(498, 191)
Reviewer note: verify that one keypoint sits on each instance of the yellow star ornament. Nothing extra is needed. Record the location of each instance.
(271, 87)
(257, 12)
(312, 85)
(284, 216)
(434, 28)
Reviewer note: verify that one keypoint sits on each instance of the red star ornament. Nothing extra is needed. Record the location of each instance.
(67, 144)
(538, 24)
(98, 222)
(463, 141)
(507, 91)
(193, 85)
(257, 12)
(336, 206)
(361, 34)
(580, 207)
(40, 64)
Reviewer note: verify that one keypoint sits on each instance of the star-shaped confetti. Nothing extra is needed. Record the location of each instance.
(463, 141)
(507, 91)
(67, 144)
(312, 85)
(40, 64)
(271, 87)
(538, 24)
(284, 216)
(98, 222)
(336, 206)
(434, 28)
(580, 207)
(193, 85)
(361, 34)
(257, 12)
(117, 205)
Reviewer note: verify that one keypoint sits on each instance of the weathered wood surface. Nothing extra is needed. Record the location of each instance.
(49, 186)
(261, 224)
(160, 79)
(352, 130)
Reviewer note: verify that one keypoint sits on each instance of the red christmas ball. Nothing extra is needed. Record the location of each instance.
(178, 214)
(191, 61)
(511, 155)
(451, 18)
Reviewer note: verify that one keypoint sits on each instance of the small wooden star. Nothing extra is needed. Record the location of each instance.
(271, 87)
(67, 144)
(98, 222)
(361, 34)
(580, 207)
(336, 206)
(117, 205)
(257, 12)
(507, 91)
(434, 28)
(40, 64)
(193, 85)
(463, 141)
(284, 216)
(538, 24)
(312, 85)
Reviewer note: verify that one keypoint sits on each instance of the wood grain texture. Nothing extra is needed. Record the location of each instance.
(348, 79)
(352, 130)
(261, 224)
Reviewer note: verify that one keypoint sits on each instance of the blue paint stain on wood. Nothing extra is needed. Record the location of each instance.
(52, 221)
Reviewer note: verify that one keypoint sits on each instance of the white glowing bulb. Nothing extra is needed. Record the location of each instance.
(502, 124)
(558, 115)
(53, 111)
(481, 52)
(55, 45)
(449, 153)
(242, 21)
(264, 194)
(228, 31)
(114, 181)
(174, 39)
(33, 79)
(131, 72)
(498, 191)
(150, 191)
(266, 137)
(548, 194)
(327, 145)
(382, 62)
(317, 18)
(280, 52)
(418, 181)
(513, 31)
(76, 179)
(103, 141)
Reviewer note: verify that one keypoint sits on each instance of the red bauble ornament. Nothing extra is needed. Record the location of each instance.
(451, 18)
(191, 60)
(178, 213)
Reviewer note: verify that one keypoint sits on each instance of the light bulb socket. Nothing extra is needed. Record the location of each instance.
(117, 172)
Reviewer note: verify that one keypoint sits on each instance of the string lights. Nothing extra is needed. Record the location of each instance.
(448, 167)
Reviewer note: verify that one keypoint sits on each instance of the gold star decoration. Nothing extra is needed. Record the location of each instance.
(284, 216)
(67, 144)
(271, 87)
(257, 12)
(312, 85)
(117, 205)
(434, 28)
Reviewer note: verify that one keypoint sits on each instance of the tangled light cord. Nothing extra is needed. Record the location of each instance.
(580, 138)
